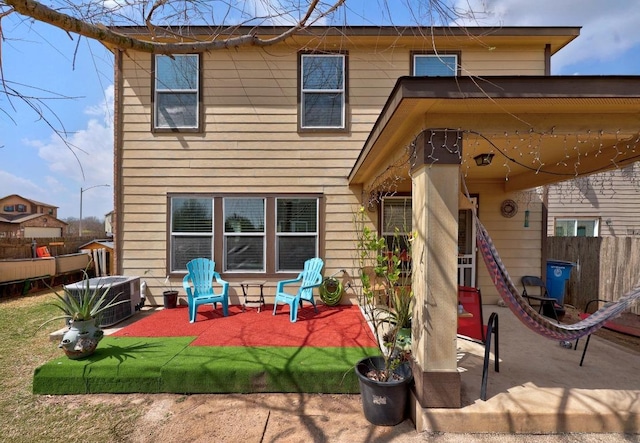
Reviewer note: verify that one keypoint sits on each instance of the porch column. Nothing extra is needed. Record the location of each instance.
(435, 181)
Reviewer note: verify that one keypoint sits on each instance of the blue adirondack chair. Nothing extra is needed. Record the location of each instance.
(308, 279)
(198, 283)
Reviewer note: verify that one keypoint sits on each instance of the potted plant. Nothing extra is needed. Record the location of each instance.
(386, 299)
(83, 309)
(170, 295)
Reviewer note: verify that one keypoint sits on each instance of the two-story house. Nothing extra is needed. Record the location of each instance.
(25, 218)
(259, 157)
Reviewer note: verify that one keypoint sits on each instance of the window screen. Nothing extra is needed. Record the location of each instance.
(433, 65)
(176, 91)
(323, 91)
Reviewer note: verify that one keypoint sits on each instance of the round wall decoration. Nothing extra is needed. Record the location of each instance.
(509, 208)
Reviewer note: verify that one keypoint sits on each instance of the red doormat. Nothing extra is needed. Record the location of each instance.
(339, 326)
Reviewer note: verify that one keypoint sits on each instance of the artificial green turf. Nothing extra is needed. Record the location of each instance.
(264, 369)
(119, 365)
(152, 365)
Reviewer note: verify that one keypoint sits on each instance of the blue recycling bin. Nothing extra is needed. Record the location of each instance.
(558, 272)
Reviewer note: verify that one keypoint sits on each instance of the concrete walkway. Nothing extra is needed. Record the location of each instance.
(541, 388)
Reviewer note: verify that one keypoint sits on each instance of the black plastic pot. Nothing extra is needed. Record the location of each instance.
(170, 299)
(383, 403)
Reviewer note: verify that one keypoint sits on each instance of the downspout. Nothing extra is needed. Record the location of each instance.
(117, 158)
(547, 59)
(544, 232)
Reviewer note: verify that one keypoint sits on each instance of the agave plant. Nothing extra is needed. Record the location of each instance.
(86, 304)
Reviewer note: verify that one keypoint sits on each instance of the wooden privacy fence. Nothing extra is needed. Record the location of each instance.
(12, 248)
(606, 267)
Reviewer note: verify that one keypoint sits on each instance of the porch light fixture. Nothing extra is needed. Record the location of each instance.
(483, 159)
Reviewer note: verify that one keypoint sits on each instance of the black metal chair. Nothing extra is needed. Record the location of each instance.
(547, 306)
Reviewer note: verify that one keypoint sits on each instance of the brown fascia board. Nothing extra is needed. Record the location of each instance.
(574, 86)
(570, 32)
(500, 87)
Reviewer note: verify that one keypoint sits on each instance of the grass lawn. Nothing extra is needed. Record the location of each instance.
(26, 417)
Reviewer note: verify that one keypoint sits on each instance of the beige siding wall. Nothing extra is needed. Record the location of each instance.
(251, 144)
(519, 247)
(611, 197)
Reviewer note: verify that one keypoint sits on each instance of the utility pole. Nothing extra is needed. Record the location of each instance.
(81, 192)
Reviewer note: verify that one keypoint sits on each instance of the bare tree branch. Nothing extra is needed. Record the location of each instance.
(40, 12)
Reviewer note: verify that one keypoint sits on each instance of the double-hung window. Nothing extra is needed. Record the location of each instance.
(245, 234)
(296, 232)
(396, 222)
(191, 230)
(177, 92)
(436, 65)
(322, 91)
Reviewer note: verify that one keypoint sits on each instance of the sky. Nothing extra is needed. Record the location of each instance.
(76, 78)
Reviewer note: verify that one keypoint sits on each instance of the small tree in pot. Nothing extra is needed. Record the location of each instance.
(386, 299)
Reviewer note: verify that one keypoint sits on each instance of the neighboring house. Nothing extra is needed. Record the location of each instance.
(259, 157)
(601, 205)
(108, 224)
(24, 218)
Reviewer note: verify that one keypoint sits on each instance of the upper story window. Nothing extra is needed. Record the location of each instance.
(436, 65)
(21, 208)
(322, 92)
(177, 92)
(9, 208)
(571, 227)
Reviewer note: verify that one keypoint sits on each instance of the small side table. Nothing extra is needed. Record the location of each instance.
(245, 285)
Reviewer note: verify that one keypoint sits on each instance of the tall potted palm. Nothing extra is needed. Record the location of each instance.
(386, 299)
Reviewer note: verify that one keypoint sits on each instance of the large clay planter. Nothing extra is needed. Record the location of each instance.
(81, 339)
(383, 403)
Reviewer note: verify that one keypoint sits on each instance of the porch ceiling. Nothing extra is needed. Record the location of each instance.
(541, 130)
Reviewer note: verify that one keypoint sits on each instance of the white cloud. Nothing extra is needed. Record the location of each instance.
(90, 152)
(608, 29)
(14, 184)
(89, 155)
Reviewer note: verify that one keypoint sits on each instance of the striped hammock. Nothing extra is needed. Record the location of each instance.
(528, 315)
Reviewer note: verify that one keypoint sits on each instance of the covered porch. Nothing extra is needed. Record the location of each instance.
(430, 141)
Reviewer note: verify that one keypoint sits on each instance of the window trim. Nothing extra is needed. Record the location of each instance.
(226, 235)
(199, 93)
(458, 55)
(576, 220)
(278, 235)
(217, 252)
(171, 234)
(346, 121)
(406, 198)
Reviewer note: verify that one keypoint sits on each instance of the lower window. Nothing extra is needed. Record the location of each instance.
(255, 234)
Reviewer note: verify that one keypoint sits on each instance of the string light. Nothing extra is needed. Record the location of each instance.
(526, 151)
